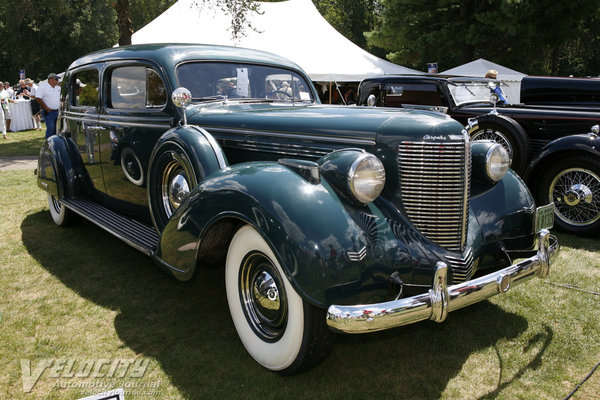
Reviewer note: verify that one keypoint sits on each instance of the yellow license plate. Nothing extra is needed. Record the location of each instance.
(544, 217)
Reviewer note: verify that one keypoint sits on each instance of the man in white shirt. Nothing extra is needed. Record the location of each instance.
(35, 107)
(48, 96)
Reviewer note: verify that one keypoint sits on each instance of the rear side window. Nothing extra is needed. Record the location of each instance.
(85, 88)
(397, 94)
(136, 87)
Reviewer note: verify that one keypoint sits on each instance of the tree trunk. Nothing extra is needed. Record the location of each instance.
(123, 22)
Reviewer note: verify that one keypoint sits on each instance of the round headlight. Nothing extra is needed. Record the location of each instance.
(497, 162)
(366, 178)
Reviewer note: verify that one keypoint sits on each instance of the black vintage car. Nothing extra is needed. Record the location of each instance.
(549, 138)
(327, 218)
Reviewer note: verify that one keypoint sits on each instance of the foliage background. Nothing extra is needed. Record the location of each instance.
(542, 37)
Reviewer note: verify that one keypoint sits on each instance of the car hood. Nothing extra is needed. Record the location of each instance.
(323, 120)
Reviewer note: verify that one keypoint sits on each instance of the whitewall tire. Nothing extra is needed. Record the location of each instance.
(60, 214)
(276, 326)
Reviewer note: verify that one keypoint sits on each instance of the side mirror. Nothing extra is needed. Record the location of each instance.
(182, 97)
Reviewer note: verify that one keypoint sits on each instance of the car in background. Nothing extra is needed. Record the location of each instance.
(326, 218)
(549, 139)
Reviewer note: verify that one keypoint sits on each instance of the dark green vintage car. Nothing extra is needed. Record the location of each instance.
(329, 218)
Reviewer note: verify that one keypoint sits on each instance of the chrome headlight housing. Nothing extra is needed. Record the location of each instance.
(355, 173)
(366, 178)
(490, 161)
(497, 162)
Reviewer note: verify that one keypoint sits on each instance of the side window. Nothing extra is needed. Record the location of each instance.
(157, 92)
(397, 94)
(85, 88)
(136, 87)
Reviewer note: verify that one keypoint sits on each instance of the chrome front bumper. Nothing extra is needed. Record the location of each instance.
(441, 299)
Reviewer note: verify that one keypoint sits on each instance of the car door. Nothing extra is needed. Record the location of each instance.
(132, 118)
(81, 118)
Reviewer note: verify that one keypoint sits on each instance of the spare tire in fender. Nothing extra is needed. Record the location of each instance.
(507, 132)
(172, 175)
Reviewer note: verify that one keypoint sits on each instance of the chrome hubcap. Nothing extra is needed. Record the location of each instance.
(174, 188)
(576, 196)
(494, 136)
(263, 297)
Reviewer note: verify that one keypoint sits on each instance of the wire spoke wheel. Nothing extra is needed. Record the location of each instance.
(576, 196)
(495, 136)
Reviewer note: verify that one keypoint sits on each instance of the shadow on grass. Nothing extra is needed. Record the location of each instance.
(14, 147)
(186, 327)
(587, 243)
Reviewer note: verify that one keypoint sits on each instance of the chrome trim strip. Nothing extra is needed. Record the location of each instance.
(215, 146)
(440, 300)
(346, 141)
(117, 121)
(357, 255)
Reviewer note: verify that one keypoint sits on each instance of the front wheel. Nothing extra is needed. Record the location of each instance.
(60, 214)
(573, 184)
(277, 327)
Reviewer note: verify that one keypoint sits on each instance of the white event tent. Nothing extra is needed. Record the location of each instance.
(293, 29)
(479, 67)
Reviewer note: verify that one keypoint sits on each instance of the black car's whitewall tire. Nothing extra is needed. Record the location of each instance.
(60, 214)
(279, 330)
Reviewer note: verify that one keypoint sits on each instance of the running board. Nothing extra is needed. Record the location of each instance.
(138, 235)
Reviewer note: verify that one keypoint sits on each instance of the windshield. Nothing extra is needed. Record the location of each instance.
(218, 80)
(470, 92)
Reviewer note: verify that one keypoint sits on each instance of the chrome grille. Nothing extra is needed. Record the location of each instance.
(435, 185)
(463, 267)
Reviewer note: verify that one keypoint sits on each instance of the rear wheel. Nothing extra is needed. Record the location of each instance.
(506, 132)
(60, 214)
(277, 327)
(573, 184)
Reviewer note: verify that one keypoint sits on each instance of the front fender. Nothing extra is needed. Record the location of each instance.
(60, 169)
(501, 213)
(579, 144)
(305, 224)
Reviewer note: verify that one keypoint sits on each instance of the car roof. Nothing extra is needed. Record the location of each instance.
(171, 54)
(431, 78)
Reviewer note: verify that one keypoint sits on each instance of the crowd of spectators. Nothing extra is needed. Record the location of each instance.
(25, 90)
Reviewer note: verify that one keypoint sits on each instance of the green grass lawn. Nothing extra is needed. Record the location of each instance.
(22, 143)
(77, 295)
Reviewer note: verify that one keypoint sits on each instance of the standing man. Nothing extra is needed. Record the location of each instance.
(35, 107)
(48, 96)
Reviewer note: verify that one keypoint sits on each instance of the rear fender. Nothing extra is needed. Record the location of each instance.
(60, 169)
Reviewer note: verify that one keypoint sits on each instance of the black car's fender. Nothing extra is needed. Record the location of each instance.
(562, 147)
(505, 131)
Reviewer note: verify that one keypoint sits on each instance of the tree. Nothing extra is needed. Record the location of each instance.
(45, 36)
(352, 18)
(525, 35)
(134, 14)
